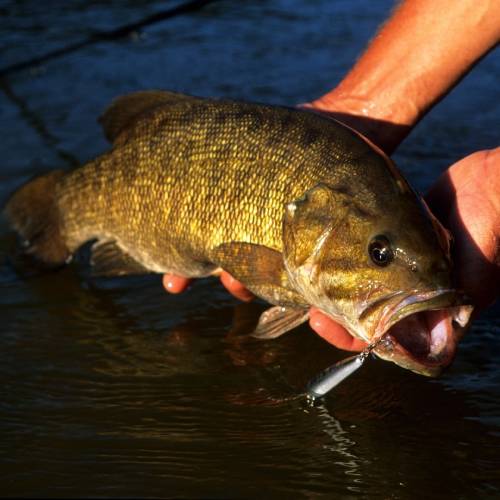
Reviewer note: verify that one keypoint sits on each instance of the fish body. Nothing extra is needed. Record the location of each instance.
(301, 209)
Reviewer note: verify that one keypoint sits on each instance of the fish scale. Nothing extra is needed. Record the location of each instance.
(194, 186)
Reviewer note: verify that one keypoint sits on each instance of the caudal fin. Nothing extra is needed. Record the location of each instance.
(32, 211)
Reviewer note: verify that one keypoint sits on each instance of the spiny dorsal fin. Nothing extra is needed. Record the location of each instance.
(124, 111)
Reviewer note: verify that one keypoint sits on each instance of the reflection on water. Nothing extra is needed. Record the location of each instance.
(103, 379)
(341, 444)
(112, 388)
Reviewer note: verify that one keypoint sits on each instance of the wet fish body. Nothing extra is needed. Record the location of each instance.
(298, 207)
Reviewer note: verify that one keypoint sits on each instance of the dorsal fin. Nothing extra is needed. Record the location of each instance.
(124, 111)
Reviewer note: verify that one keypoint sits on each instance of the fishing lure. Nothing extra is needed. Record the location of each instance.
(335, 374)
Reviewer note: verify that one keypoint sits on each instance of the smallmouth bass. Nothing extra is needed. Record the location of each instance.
(299, 208)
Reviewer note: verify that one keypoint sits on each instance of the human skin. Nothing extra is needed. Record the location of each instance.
(416, 58)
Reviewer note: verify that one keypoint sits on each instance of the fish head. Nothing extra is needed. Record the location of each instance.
(372, 256)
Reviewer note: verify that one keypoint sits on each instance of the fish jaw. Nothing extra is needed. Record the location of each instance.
(421, 331)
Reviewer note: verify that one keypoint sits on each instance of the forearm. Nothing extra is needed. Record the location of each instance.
(424, 49)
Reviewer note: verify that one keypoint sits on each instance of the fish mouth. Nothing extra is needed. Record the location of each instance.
(421, 331)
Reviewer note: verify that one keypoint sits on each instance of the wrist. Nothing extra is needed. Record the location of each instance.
(384, 122)
(411, 63)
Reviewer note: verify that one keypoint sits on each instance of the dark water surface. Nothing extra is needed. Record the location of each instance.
(113, 388)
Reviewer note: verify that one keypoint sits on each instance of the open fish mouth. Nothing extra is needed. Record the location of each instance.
(421, 332)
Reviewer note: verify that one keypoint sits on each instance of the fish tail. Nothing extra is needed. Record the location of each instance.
(32, 211)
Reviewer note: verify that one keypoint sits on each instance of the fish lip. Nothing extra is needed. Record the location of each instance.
(420, 299)
(456, 313)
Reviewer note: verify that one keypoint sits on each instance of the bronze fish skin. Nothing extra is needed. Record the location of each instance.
(299, 208)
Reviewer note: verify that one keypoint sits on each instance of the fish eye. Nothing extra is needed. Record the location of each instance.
(380, 251)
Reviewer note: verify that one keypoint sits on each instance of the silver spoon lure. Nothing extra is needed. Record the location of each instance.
(333, 375)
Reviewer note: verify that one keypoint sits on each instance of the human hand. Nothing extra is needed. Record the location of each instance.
(466, 199)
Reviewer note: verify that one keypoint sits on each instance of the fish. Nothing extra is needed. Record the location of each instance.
(300, 208)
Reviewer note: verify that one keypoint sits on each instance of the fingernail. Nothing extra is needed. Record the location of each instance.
(315, 322)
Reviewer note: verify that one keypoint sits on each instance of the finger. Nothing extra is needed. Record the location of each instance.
(175, 284)
(235, 287)
(333, 333)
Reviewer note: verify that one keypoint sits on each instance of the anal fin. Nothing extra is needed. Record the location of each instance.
(108, 259)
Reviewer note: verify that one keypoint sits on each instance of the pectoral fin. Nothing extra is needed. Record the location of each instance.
(108, 259)
(259, 268)
(278, 320)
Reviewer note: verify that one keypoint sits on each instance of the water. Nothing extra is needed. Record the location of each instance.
(114, 388)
